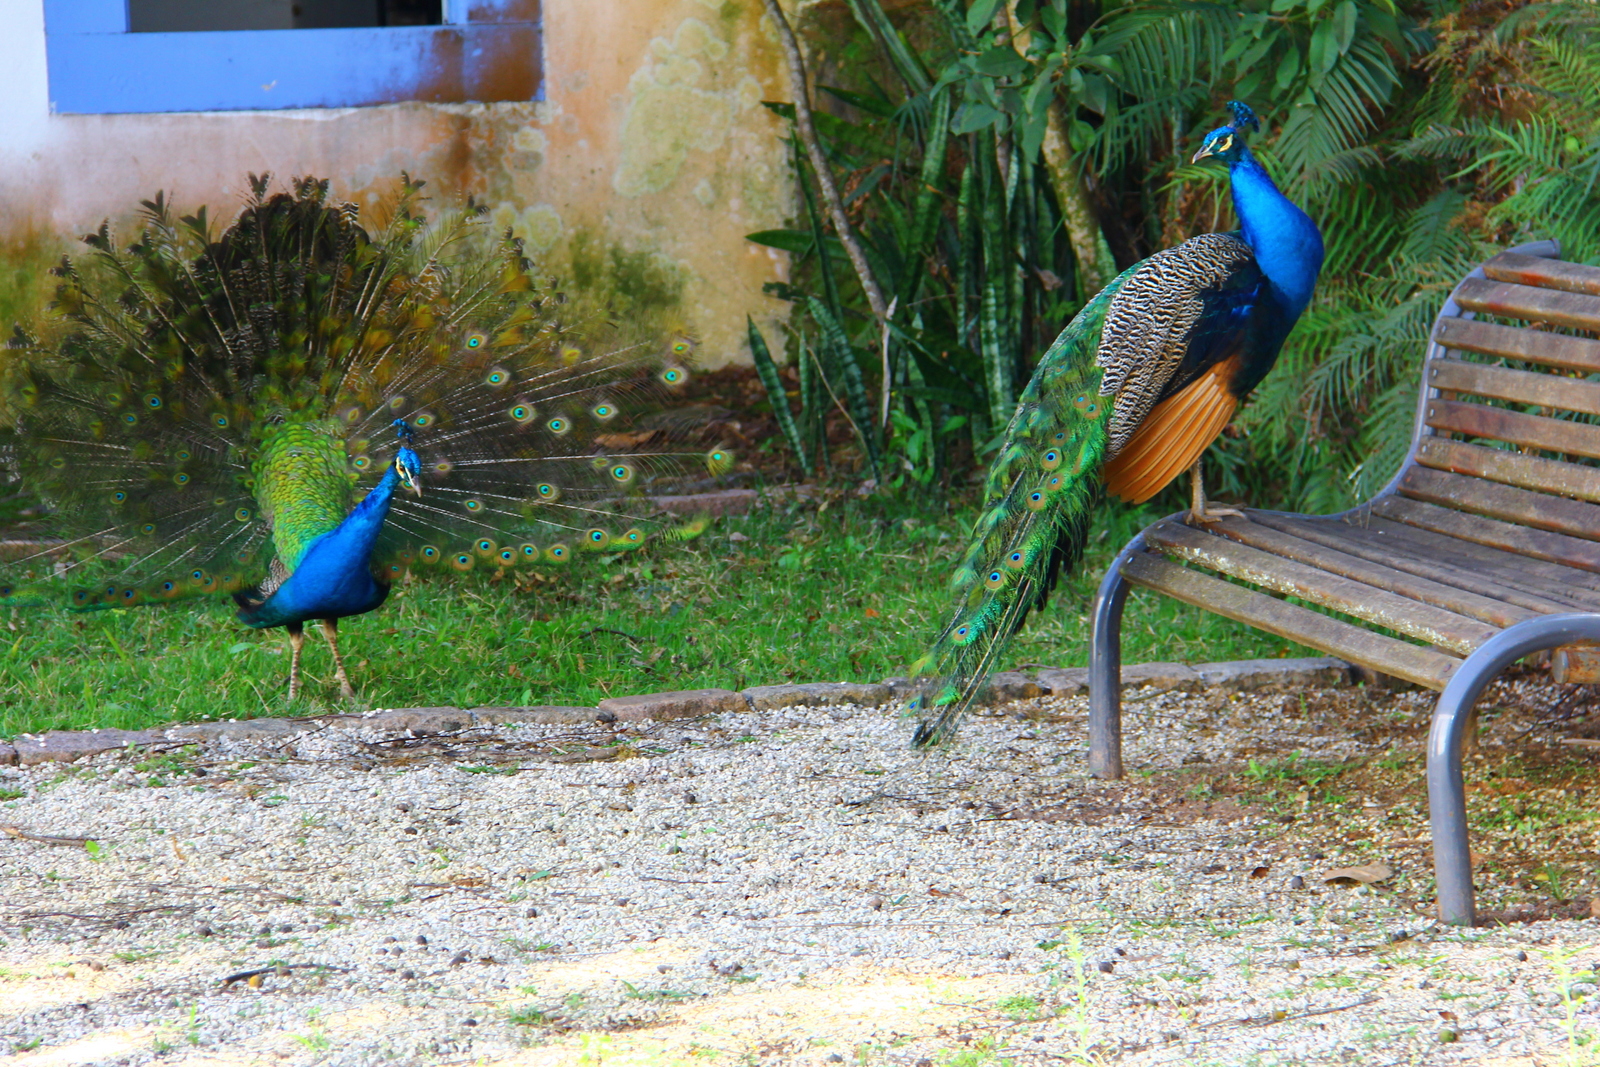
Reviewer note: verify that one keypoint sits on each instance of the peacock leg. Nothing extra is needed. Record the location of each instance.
(330, 630)
(297, 641)
(1200, 511)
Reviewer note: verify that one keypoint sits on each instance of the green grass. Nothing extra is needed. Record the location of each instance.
(850, 592)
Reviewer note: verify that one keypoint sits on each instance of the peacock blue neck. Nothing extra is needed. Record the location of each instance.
(358, 533)
(1287, 244)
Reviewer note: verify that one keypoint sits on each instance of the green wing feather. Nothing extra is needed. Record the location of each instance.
(1037, 502)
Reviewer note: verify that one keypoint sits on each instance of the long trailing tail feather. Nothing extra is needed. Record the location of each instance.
(1038, 500)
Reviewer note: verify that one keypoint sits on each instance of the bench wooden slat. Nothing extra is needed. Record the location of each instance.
(1424, 666)
(1559, 583)
(1434, 625)
(1498, 424)
(1577, 310)
(1445, 561)
(1554, 547)
(1521, 386)
(1545, 273)
(1452, 598)
(1520, 342)
(1540, 511)
(1510, 468)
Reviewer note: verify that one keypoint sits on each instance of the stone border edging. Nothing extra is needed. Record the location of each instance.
(65, 746)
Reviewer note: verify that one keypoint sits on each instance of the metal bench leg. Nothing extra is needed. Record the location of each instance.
(1447, 794)
(1105, 668)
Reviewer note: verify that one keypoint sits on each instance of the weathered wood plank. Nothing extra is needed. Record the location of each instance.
(1553, 547)
(1434, 625)
(1553, 580)
(1577, 310)
(1424, 666)
(1445, 560)
(1510, 468)
(1508, 503)
(1411, 586)
(1544, 273)
(1534, 431)
(1521, 386)
(1520, 342)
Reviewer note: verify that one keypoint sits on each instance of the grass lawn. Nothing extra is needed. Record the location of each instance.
(847, 590)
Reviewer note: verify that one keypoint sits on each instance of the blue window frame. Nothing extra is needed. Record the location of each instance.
(487, 50)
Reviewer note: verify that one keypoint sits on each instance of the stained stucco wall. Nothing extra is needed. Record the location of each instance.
(651, 147)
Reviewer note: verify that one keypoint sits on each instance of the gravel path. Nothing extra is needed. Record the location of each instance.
(784, 887)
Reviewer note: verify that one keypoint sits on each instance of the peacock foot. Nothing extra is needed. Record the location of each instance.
(1201, 513)
(1208, 515)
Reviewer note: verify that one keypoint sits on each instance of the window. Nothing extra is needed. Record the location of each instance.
(180, 16)
(110, 56)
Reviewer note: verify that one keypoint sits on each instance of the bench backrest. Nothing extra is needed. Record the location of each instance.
(1509, 422)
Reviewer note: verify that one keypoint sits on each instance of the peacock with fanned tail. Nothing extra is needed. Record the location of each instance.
(297, 412)
(1129, 396)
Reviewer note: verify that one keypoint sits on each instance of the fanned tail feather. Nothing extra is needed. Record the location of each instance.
(1038, 499)
(216, 402)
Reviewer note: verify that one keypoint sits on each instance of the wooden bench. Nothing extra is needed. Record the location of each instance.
(1484, 548)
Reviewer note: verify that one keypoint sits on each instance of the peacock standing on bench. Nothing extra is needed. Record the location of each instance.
(299, 411)
(1137, 386)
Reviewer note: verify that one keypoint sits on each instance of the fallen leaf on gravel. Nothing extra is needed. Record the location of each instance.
(1366, 874)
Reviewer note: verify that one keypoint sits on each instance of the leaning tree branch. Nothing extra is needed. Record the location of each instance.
(819, 163)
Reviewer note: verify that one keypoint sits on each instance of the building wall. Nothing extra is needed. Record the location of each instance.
(650, 147)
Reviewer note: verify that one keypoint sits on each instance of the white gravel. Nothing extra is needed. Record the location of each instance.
(789, 887)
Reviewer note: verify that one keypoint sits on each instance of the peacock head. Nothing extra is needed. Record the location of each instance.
(1227, 142)
(407, 465)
